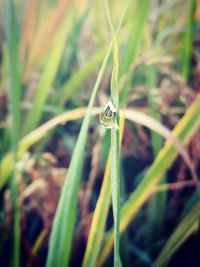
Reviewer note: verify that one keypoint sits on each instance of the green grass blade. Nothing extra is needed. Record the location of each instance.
(100, 215)
(185, 229)
(151, 77)
(135, 35)
(158, 201)
(186, 56)
(44, 33)
(64, 222)
(133, 43)
(115, 179)
(47, 79)
(157, 127)
(115, 186)
(74, 36)
(14, 104)
(99, 220)
(79, 77)
(14, 71)
(184, 130)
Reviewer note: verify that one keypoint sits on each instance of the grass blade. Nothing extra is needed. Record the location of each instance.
(188, 40)
(100, 215)
(14, 104)
(79, 77)
(133, 43)
(74, 36)
(99, 220)
(62, 233)
(6, 165)
(184, 130)
(158, 201)
(47, 78)
(134, 38)
(158, 128)
(47, 31)
(27, 35)
(185, 229)
(115, 179)
(115, 185)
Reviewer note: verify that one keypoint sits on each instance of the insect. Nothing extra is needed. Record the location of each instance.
(108, 116)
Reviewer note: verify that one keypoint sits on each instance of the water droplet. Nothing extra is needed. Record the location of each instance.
(108, 116)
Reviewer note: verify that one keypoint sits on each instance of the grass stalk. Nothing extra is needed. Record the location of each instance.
(188, 40)
(115, 141)
(14, 105)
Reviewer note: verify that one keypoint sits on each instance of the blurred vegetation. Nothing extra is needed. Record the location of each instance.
(61, 61)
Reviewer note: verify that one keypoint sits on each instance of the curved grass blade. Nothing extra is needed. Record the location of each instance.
(157, 127)
(26, 142)
(6, 164)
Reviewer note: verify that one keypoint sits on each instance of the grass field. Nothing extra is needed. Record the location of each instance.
(99, 133)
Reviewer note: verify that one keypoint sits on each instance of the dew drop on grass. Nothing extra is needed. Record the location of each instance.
(108, 116)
